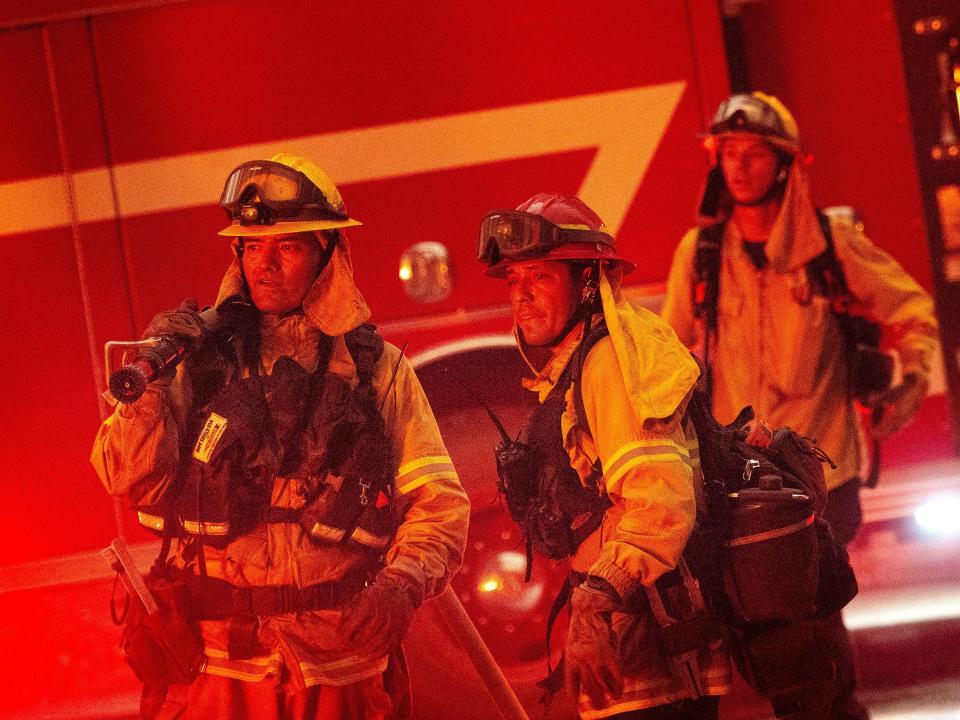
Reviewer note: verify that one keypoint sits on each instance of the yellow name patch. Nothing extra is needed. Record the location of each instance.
(209, 437)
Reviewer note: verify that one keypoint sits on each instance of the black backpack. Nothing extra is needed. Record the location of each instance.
(763, 548)
(769, 565)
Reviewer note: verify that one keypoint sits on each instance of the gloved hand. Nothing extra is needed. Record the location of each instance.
(896, 406)
(184, 322)
(591, 650)
(377, 620)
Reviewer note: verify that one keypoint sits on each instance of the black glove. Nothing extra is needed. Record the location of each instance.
(376, 621)
(591, 655)
(185, 323)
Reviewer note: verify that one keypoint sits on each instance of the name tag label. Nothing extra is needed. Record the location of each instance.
(209, 437)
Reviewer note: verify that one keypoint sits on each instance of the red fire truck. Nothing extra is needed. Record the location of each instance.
(122, 120)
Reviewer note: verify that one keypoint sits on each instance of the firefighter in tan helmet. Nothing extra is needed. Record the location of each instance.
(764, 283)
(605, 472)
(297, 468)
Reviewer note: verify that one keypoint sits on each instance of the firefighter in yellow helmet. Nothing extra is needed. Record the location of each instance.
(759, 281)
(296, 466)
(607, 470)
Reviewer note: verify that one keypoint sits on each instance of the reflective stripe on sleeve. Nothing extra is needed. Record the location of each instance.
(641, 452)
(368, 538)
(418, 472)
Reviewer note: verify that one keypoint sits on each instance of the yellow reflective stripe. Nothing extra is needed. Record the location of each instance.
(261, 660)
(249, 669)
(641, 452)
(771, 534)
(638, 694)
(422, 462)
(417, 472)
(326, 532)
(154, 522)
(207, 528)
(658, 445)
(424, 479)
(368, 538)
(342, 672)
(229, 672)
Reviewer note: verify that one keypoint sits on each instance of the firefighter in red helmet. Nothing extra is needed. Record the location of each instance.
(610, 435)
(762, 285)
(295, 465)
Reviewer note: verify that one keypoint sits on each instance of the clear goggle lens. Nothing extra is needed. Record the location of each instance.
(511, 233)
(264, 192)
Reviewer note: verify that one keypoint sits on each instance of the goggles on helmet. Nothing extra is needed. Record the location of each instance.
(516, 234)
(263, 192)
(746, 113)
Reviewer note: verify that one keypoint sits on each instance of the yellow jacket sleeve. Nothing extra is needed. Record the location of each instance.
(647, 473)
(137, 450)
(430, 540)
(895, 299)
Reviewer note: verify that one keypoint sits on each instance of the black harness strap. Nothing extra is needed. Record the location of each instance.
(215, 599)
(706, 291)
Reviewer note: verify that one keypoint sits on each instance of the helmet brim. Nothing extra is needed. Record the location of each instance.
(283, 228)
(711, 140)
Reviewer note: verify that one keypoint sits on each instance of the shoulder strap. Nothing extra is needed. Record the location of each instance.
(825, 273)
(706, 290)
(575, 371)
(366, 347)
(706, 268)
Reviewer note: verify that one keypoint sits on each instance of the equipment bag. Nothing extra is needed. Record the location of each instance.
(163, 647)
(780, 561)
(786, 659)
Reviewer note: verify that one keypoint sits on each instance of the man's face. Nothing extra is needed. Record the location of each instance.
(749, 166)
(543, 294)
(280, 270)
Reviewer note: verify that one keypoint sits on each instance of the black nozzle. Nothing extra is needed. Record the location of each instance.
(128, 383)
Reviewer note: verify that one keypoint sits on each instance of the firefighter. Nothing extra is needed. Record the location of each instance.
(767, 318)
(297, 464)
(613, 383)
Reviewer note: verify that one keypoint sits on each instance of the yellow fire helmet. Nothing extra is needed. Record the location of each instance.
(755, 114)
(285, 194)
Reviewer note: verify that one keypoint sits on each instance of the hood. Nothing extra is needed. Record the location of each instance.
(795, 237)
(657, 369)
